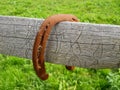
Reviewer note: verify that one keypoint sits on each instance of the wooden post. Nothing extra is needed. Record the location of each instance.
(79, 44)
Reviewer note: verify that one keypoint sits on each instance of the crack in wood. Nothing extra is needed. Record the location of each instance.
(79, 44)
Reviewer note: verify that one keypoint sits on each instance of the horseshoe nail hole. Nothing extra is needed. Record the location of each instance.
(47, 25)
(39, 50)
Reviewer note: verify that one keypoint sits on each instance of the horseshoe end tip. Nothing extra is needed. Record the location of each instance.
(44, 77)
(70, 68)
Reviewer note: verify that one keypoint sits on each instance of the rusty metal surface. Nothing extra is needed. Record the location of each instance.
(41, 40)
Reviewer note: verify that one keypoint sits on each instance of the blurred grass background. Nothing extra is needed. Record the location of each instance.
(18, 74)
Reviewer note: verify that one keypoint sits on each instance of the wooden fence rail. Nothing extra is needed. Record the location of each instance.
(79, 44)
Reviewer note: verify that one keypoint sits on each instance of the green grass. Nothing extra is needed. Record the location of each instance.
(18, 74)
(97, 11)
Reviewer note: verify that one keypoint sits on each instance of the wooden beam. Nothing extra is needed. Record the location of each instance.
(79, 44)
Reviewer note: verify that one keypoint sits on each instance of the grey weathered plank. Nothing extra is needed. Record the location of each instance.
(80, 44)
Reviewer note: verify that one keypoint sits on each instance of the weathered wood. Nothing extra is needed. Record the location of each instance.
(80, 44)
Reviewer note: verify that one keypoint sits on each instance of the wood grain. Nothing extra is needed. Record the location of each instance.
(70, 43)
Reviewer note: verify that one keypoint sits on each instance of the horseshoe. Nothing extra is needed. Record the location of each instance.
(41, 40)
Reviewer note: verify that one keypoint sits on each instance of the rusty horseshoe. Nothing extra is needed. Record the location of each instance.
(41, 40)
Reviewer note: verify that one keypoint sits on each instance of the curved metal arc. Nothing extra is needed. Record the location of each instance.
(41, 40)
